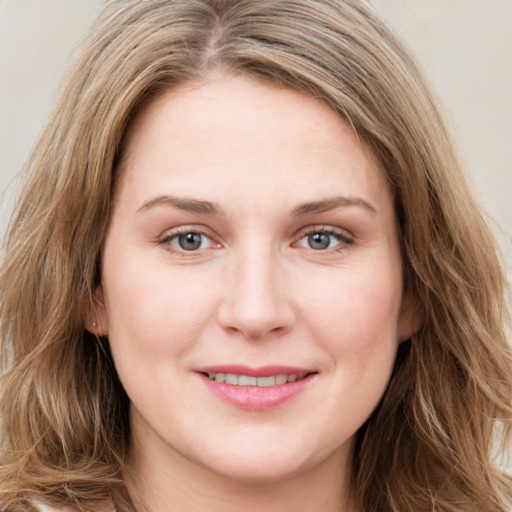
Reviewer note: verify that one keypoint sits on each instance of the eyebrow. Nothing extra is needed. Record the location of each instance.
(211, 208)
(331, 203)
(186, 204)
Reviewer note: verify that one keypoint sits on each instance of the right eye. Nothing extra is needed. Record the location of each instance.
(187, 241)
(190, 241)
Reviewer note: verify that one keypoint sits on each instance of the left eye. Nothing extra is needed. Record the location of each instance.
(323, 240)
(190, 241)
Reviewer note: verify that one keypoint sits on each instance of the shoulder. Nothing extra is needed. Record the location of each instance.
(41, 507)
(45, 508)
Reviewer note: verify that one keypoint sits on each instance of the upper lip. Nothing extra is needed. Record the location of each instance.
(260, 371)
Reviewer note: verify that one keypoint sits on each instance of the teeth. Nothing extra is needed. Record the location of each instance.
(264, 382)
(282, 379)
(244, 380)
(247, 380)
(231, 378)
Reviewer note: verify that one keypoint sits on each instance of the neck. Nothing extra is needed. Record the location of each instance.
(177, 483)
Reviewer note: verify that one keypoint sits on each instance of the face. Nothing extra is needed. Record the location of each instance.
(252, 281)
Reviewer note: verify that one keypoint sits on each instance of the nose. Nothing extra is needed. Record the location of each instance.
(256, 301)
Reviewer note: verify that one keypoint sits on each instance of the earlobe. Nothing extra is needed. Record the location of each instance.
(97, 322)
(411, 317)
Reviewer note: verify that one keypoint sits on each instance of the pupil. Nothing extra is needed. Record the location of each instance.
(319, 241)
(190, 241)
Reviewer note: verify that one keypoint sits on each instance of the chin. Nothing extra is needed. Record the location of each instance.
(267, 464)
(261, 472)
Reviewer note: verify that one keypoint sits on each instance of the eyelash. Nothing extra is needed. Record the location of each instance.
(169, 238)
(338, 234)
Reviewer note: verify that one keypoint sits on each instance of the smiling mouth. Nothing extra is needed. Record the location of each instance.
(260, 382)
(256, 389)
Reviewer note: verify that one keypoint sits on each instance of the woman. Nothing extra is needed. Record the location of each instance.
(246, 272)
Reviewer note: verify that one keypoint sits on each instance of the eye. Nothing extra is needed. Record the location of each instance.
(324, 239)
(320, 241)
(188, 241)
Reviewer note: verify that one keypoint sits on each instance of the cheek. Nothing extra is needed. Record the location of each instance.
(155, 311)
(355, 311)
(155, 318)
(356, 324)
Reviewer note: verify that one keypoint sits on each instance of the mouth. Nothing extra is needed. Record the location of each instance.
(256, 389)
(260, 382)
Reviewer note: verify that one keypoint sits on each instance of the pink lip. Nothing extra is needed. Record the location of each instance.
(255, 398)
(261, 371)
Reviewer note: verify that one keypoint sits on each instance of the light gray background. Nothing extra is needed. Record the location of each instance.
(465, 45)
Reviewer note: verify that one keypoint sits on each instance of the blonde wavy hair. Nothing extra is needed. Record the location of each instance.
(432, 442)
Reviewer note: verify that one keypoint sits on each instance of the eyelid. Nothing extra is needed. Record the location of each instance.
(168, 235)
(344, 236)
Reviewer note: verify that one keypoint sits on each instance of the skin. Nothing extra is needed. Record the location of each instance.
(255, 292)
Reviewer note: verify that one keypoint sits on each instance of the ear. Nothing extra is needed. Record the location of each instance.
(411, 316)
(97, 322)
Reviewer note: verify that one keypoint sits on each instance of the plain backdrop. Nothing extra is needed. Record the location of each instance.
(465, 46)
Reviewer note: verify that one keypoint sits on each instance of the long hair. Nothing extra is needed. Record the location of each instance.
(431, 443)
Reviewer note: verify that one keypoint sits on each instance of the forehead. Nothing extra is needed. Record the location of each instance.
(239, 132)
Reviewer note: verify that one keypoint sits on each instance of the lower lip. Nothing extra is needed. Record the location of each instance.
(253, 398)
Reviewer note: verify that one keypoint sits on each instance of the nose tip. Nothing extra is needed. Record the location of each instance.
(254, 323)
(256, 305)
